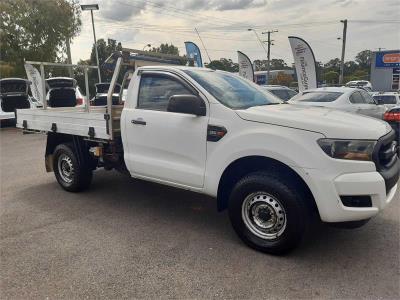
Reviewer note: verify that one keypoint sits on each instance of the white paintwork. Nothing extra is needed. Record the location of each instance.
(172, 149)
(69, 120)
(343, 102)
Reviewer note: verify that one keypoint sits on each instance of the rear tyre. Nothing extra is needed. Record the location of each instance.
(72, 176)
(267, 213)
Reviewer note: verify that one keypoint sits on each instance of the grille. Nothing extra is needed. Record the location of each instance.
(10, 104)
(387, 152)
(386, 159)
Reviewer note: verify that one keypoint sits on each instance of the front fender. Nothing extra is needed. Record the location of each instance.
(295, 148)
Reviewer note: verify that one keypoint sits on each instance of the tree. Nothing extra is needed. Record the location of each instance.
(333, 65)
(104, 50)
(166, 49)
(332, 77)
(224, 64)
(36, 30)
(275, 64)
(363, 59)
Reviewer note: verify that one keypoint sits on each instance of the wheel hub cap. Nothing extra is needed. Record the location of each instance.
(65, 168)
(264, 215)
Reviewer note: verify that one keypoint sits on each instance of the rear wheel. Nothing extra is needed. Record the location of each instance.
(70, 174)
(267, 213)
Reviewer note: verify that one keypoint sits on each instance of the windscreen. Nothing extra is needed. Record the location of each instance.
(13, 87)
(385, 99)
(318, 97)
(231, 90)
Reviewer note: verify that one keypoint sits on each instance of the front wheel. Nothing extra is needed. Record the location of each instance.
(72, 176)
(267, 213)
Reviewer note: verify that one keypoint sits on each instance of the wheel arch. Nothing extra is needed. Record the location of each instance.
(55, 139)
(245, 165)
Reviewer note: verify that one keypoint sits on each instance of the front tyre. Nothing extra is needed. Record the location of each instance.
(267, 213)
(72, 176)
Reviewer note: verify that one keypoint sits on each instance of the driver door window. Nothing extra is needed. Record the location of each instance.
(155, 91)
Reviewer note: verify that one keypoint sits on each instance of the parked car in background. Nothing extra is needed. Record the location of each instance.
(364, 84)
(341, 98)
(63, 92)
(389, 99)
(282, 92)
(100, 99)
(15, 95)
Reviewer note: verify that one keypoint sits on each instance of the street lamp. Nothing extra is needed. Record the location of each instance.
(148, 45)
(93, 7)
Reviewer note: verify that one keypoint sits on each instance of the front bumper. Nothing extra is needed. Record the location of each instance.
(7, 115)
(327, 192)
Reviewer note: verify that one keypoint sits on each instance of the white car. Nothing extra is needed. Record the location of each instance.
(389, 99)
(364, 84)
(272, 165)
(342, 98)
(14, 94)
(282, 92)
(64, 92)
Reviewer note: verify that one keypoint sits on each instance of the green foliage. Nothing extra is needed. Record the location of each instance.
(36, 30)
(275, 64)
(363, 59)
(331, 77)
(224, 65)
(166, 49)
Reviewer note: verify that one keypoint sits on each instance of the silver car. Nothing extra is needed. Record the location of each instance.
(282, 92)
(342, 98)
(389, 99)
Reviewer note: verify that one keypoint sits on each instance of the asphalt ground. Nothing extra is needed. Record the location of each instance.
(126, 238)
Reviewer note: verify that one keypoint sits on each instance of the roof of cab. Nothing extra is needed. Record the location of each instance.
(341, 89)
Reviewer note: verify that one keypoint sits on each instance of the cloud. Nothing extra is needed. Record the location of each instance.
(121, 10)
(222, 5)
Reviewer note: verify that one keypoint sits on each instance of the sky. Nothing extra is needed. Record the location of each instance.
(223, 26)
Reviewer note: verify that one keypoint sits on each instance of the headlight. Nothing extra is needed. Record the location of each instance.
(348, 149)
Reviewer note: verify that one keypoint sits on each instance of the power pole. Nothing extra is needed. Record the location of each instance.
(343, 50)
(68, 46)
(269, 43)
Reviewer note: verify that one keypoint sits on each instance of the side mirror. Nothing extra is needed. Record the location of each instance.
(187, 104)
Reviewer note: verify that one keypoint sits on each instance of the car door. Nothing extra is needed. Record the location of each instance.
(356, 102)
(165, 146)
(371, 108)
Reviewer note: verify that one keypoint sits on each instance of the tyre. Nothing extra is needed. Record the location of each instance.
(267, 213)
(72, 176)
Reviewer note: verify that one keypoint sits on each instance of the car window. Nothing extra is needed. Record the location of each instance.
(156, 89)
(282, 94)
(231, 90)
(318, 96)
(291, 93)
(367, 97)
(386, 99)
(357, 98)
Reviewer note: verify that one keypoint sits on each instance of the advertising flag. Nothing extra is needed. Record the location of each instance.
(245, 66)
(36, 86)
(193, 52)
(304, 61)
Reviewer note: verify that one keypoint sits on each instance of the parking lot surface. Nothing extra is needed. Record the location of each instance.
(126, 238)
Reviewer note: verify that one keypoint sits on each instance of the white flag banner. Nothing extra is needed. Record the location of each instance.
(245, 66)
(304, 61)
(36, 87)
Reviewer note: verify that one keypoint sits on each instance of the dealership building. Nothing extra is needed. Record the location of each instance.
(385, 70)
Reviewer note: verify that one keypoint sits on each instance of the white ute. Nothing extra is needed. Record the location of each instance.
(271, 164)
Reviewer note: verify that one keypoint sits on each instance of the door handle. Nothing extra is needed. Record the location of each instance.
(138, 122)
